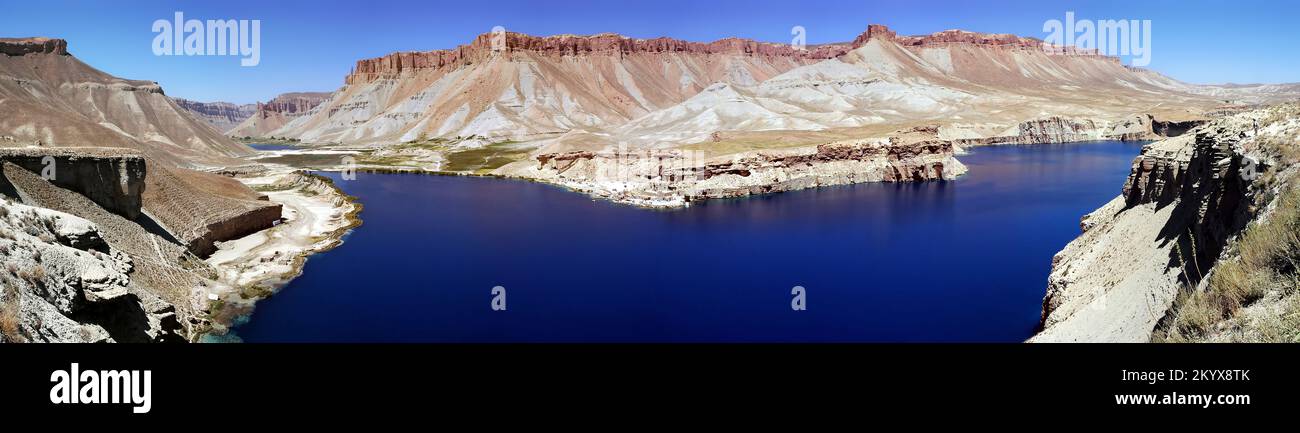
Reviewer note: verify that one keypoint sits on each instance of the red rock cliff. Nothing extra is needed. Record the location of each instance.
(612, 44)
(570, 45)
(946, 37)
(22, 46)
(292, 103)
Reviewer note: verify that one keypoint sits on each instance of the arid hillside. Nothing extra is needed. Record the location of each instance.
(49, 98)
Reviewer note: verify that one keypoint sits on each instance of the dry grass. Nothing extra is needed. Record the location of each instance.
(1268, 257)
(10, 331)
(1284, 327)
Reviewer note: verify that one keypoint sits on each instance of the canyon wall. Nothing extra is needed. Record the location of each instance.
(606, 44)
(101, 277)
(221, 115)
(112, 178)
(1183, 201)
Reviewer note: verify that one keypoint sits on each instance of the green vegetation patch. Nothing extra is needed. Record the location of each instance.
(486, 158)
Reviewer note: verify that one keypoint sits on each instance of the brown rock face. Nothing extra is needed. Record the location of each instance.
(570, 45)
(222, 115)
(24, 46)
(277, 112)
(199, 209)
(54, 100)
(112, 178)
(998, 40)
(607, 43)
(292, 103)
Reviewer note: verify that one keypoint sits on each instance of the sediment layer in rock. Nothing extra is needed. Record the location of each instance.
(221, 115)
(1183, 201)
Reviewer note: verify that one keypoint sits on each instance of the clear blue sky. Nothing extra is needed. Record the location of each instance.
(311, 45)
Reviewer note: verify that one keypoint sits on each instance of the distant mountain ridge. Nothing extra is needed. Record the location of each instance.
(527, 88)
(221, 115)
(277, 112)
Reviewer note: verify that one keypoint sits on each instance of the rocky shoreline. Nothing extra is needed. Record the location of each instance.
(675, 178)
(317, 217)
(671, 178)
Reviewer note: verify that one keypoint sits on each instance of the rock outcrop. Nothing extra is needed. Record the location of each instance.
(25, 46)
(112, 178)
(1185, 198)
(482, 48)
(56, 269)
(140, 229)
(124, 285)
(201, 209)
(677, 177)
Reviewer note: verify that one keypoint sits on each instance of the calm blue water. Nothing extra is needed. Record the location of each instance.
(965, 260)
(270, 147)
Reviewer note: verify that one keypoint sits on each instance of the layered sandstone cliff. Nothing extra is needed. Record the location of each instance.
(112, 178)
(1184, 201)
(25, 46)
(221, 115)
(483, 47)
(667, 178)
(274, 114)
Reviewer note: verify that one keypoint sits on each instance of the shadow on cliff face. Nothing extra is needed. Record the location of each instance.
(7, 189)
(127, 322)
(1213, 204)
(150, 225)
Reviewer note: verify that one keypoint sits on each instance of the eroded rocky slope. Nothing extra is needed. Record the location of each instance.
(51, 99)
(1178, 213)
(117, 240)
(533, 86)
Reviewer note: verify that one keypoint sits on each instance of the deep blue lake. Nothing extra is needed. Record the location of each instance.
(964, 260)
(270, 147)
